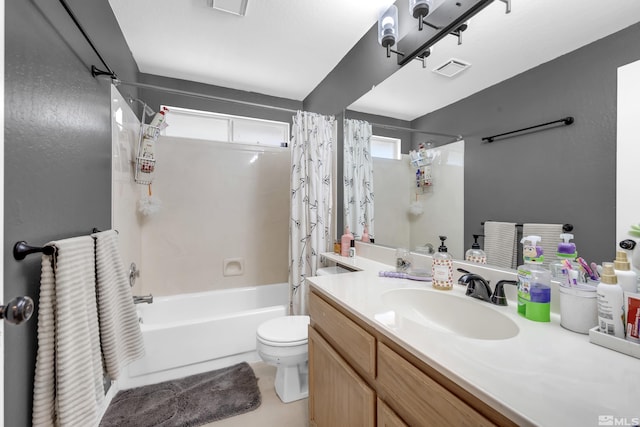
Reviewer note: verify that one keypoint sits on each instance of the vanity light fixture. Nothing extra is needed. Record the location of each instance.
(436, 19)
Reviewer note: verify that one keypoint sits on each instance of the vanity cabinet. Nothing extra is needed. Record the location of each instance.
(359, 377)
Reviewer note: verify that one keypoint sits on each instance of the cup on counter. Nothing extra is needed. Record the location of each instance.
(578, 307)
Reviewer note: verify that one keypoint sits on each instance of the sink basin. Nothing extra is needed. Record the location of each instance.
(446, 312)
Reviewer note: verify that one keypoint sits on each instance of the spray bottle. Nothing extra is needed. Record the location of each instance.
(475, 254)
(534, 282)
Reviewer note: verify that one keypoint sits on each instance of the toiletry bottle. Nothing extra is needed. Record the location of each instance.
(566, 251)
(475, 254)
(365, 235)
(534, 283)
(610, 303)
(345, 242)
(627, 279)
(442, 268)
(352, 248)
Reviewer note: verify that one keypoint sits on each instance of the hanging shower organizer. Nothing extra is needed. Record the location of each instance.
(421, 160)
(145, 157)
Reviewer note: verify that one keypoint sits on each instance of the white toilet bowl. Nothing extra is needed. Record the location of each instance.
(282, 342)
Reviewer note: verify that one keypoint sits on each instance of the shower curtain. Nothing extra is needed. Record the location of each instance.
(311, 201)
(358, 178)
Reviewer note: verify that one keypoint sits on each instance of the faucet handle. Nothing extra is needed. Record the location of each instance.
(498, 297)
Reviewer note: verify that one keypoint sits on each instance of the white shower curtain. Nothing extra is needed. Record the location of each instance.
(358, 178)
(311, 200)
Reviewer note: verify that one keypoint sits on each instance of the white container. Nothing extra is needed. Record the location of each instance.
(578, 308)
(627, 278)
(610, 303)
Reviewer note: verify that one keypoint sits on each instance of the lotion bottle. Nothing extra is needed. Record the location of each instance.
(442, 268)
(627, 279)
(345, 242)
(610, 303)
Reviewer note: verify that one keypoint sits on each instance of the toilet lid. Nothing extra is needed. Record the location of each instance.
(287, 329)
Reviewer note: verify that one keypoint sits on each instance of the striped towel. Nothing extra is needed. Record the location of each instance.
(500, 243)
(120, 334)
(550, 234)
(68, 388)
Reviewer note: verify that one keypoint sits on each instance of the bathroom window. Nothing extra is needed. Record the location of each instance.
(196, 124)
(385, 148)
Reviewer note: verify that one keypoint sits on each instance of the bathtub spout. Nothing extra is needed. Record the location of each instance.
(147, 299)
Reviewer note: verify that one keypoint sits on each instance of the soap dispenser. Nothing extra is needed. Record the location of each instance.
(534, 282)
(345, 242)
(566, 251)
(442, 268)
(475, 254)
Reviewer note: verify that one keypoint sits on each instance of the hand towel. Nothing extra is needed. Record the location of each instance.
(120, 335)
(500, 243)
(68, 388)
(550, 234)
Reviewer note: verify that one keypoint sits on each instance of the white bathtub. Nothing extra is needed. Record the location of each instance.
(193, 333)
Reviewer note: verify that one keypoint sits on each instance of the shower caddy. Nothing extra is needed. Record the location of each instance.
(145, 163)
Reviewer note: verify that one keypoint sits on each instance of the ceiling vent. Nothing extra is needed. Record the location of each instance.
(236, 7)
(452, 67)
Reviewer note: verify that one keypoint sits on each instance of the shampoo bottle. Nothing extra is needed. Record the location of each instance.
(442, 268)
(534, 283)
(610, 303)
(345, 242)
(475, 254)
(627, 279)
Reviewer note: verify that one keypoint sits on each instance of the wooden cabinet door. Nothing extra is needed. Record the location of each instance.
(388, 418)
(338, 397)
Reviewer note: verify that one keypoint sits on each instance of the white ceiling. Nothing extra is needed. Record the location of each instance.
(286, 47)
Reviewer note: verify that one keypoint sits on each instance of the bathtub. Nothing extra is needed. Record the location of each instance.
(197, 332)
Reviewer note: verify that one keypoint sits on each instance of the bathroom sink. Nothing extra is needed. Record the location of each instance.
(447, 312)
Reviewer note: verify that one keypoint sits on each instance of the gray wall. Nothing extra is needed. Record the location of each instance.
(57, 154)
(560, 175)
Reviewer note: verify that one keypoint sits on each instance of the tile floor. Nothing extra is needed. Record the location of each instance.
(272, 412)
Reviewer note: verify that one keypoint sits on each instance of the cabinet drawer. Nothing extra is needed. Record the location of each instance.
(417, 398)
(352, 342)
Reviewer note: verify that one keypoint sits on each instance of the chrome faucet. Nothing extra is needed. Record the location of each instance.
(147, 299)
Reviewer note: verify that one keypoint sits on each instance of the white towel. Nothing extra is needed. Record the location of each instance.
(68, 389)
(500, 243)
(120, 335)
(550, 234)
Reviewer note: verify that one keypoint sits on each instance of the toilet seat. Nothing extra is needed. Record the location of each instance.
(287, 331)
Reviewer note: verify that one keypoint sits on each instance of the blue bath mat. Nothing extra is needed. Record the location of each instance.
(186, 402)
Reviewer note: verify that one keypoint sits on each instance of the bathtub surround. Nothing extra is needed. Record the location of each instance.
(310, 227)
(189, 401)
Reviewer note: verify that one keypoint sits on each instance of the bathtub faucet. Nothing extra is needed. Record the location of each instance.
(147, 299)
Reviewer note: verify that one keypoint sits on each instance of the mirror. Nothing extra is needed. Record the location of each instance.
(532, 177)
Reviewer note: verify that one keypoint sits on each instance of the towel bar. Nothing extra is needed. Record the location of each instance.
(22, 249)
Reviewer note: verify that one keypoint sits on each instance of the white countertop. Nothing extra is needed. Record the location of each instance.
(545, 375)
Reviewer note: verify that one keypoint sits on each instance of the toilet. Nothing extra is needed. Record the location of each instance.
(282, 342)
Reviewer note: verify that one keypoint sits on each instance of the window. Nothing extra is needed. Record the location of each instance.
(384, 147)
(186, 123)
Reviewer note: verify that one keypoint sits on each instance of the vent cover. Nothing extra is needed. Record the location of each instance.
(452, 67)
(236, 7)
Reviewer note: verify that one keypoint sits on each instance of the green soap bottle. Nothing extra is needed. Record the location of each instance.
(534, 283)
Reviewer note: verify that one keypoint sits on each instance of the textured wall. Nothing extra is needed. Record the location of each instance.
(57, 155)
(560, 175)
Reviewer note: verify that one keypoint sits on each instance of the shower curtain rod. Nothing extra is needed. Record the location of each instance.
(118, 82)
(380, 125)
